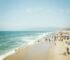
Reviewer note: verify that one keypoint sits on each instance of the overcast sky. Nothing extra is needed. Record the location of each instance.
(23, 14)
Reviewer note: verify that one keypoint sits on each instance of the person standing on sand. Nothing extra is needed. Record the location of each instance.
(68, 51)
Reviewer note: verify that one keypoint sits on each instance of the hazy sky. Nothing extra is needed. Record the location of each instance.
(22, 14)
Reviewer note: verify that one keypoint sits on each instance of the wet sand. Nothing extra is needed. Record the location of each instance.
(32, 52)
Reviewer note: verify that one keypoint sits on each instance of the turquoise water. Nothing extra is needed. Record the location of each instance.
(12, 39)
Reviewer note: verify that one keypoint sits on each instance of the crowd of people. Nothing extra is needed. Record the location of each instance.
(64, 37)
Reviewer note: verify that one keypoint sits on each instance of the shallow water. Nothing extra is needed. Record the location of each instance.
(12, 39)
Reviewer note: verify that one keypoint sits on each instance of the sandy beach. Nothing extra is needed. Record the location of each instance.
(43, 50)
(37, 52)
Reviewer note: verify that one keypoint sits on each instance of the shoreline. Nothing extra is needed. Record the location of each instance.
(7, 54)
(28, 46)
(22, 46)
(38, 48)
(13, 51)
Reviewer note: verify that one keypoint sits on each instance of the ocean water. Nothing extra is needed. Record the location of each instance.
(12, 39)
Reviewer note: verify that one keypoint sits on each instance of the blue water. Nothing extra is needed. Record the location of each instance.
(12, 39)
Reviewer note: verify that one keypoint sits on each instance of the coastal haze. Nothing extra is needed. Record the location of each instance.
(26, 27)
(26, 14)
